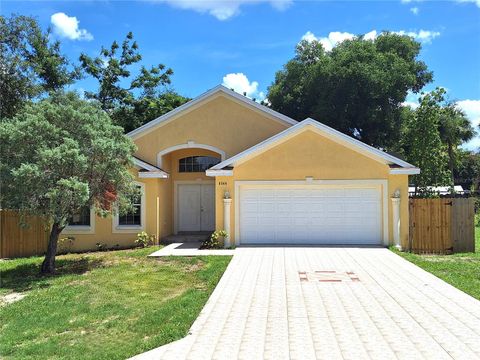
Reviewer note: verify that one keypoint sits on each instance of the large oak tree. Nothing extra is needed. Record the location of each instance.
(357, 87)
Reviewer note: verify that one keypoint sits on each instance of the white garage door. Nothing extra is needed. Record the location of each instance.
(310, 214)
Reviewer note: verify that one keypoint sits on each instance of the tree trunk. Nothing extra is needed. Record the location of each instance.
(48, 265)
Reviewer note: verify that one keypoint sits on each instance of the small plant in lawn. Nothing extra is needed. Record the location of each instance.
(213, 241)
(65, 244)
(101, 247)
(144, 239)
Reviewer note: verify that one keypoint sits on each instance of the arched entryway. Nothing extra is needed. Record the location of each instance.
(192, 192)
(188, 145)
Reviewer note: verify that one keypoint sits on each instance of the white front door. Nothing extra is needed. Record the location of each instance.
(310, 215)
(196, 204)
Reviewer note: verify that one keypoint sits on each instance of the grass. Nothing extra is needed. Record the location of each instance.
(461, 270)
(106, 305)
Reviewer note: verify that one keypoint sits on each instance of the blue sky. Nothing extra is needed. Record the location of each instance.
(205, 41)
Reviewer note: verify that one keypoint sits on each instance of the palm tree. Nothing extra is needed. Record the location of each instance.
(455, 129)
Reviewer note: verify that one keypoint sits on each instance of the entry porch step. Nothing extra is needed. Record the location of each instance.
(185, 238)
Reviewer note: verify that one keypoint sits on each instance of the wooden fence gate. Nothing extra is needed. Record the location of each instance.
(442, 226)
(19, 241)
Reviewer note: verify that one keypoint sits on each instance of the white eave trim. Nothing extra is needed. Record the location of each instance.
(220, 172)
(219, 89)
(153, 174)
(405, 171)
(324, 130)
(152, 171)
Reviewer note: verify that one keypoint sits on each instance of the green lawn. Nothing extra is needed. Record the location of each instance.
(105, 305)
(460, 270)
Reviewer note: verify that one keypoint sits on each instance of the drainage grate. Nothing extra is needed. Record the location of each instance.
(328, 276)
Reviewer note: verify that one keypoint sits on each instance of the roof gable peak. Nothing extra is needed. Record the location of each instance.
(205, 97)
(324, 130)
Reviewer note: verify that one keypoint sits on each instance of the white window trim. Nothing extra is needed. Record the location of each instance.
(82, 229)
(131, 229)
(381, 184)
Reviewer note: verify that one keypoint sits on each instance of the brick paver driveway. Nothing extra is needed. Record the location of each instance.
(329, 303)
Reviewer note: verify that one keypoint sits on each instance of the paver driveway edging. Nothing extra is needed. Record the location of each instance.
(329, 303)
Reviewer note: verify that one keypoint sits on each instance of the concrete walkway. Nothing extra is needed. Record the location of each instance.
(329, 303)
(189, 249)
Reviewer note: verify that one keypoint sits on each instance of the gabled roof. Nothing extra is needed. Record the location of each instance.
(149, 170)
(397, 165)
(218, 90)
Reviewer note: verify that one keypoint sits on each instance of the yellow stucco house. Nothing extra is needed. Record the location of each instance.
(222, 161)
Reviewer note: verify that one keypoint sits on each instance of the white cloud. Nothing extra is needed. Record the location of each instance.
(411, 100)
(472, 110)
(309, 36)
(336, 37)
(372, 35)
(240, 83)
(477, 2)
(411, 104)
(329, 42)
(67, 26)
(415, 10)
(423, 36)
(222, 9)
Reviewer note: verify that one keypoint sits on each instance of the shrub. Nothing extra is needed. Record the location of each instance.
(101, 247)
(212, 242)
(65, 244)
(144, 239)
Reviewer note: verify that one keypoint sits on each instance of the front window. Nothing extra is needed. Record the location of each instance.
(133, 217)
(197, 163)
(81, 218)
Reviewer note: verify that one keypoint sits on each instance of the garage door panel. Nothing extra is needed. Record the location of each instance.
(266, 220)
(310, 214)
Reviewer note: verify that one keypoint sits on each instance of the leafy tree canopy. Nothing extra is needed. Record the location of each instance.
(423, 145)
(30, 63)
(455, 129)
(356, 88)
(467, 171)
(59, 155)
(143, 98)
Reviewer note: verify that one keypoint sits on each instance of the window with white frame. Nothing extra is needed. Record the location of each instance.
(133, 218)
(82, 222)
(197, 163)
(81, 218)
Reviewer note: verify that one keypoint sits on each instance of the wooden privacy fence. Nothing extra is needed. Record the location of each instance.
(17, 240)
(442, 226)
